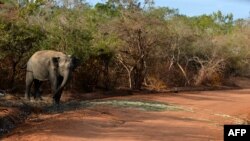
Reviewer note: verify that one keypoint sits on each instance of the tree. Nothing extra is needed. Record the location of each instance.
(139, 35)
(16, 40)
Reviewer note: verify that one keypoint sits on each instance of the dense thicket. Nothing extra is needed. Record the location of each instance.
(124, 43)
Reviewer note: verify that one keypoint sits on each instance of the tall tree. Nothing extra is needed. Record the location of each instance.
(139, 34)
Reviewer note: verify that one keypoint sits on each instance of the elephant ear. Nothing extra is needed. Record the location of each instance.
(55, 61)
(75, 62)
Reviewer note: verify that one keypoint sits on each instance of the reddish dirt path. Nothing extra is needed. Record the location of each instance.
(203, 120)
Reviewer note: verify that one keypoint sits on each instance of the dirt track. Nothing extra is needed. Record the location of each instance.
(200, 118)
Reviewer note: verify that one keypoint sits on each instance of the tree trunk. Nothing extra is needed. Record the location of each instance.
(106, 75)
(139, 73)
(13, 75)
(130, 80)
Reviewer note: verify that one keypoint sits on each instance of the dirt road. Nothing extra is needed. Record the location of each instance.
(187, 116)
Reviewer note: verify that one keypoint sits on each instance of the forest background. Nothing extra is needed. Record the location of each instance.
(124, 44)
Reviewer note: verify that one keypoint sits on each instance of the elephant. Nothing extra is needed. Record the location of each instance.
(49, 65)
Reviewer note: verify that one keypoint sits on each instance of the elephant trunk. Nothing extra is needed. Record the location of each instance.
(64, 82)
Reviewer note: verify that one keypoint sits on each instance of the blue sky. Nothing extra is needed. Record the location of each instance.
(239, 8)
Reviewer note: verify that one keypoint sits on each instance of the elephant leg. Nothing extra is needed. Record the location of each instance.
(53, 88)
(58, 94)
(29, 81)
(37, 94)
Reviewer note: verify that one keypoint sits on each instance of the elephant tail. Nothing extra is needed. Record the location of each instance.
(25, 67)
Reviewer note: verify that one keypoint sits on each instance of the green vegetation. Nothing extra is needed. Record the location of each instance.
(124, 43)
(132, 104)
(143, 105)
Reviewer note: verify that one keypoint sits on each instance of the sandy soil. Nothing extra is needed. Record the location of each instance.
(202, 119)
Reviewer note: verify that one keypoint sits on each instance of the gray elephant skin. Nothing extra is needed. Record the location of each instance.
(49, 65)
